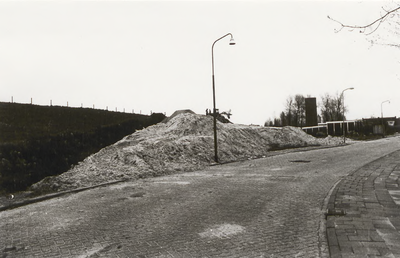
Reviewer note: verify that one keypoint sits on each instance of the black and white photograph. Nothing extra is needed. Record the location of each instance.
(199, 128)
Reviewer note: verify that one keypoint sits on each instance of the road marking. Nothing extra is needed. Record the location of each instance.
(222, 231)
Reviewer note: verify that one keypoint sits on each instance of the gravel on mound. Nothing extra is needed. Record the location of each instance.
(184, 143)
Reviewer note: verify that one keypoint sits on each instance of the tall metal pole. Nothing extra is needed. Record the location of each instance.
(343, 129)
(214, 102)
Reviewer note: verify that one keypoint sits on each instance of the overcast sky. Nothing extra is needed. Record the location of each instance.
(156, 56)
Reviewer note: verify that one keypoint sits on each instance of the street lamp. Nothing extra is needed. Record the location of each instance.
(344, 130)
(383, 127)
(231, 42)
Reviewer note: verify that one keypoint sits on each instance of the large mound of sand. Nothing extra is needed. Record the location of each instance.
(183, 143)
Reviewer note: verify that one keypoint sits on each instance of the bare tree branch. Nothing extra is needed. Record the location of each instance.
(377, 22)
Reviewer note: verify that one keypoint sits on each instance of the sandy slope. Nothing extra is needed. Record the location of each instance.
(184, 143)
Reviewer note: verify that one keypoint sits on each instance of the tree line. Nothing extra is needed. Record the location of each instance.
(330, 109)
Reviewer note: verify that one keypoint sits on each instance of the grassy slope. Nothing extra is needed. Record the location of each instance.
(38, 141)
(20, 122)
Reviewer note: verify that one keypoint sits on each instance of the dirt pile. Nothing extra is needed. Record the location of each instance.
(183, 143)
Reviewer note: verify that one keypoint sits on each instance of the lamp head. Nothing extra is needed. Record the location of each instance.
(232, 42)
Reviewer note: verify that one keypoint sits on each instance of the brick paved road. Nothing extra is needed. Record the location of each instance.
(271, 207)
(371, 198)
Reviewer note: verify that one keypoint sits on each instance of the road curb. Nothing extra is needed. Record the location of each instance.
(16, 204)
(54, 195)
(322, 234)
(363, 209)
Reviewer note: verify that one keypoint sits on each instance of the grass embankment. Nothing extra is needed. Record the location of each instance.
(39, 141)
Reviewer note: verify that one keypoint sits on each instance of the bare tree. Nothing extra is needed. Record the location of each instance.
(389, 16)
(277, 122)
(268, 122)
(332, 108)
(283, 119)
(294, 113)
(300, 109)
(289, 110)
(374, 25)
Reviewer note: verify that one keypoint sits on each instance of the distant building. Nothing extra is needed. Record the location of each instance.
(311, 112)
(366, 126)
(382, 126)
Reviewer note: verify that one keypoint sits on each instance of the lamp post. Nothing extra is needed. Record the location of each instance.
(344, 130)
(383, 127)
(231, 42)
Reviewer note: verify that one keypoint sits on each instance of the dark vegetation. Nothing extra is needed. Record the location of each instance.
(41, 141)
(331, 109)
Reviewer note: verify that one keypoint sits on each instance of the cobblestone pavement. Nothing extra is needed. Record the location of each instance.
(370, 197)
(270, 207)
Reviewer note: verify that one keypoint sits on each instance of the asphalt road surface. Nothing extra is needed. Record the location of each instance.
(270, 207)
